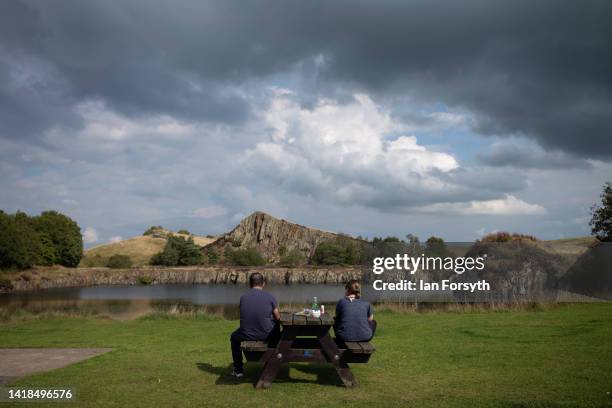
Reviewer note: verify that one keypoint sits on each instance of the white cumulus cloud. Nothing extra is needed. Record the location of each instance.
(353, 152)
(509, 205)
(90, 235)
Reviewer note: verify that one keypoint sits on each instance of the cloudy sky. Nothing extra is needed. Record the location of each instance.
(448, 118)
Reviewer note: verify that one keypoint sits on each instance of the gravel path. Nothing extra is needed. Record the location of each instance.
(21, 362)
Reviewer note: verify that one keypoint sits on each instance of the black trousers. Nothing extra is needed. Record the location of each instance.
(340, 341)
(237, 337)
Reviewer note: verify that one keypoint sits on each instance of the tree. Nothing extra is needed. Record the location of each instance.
(65, 235)
(14, 252)
(601, 215)
(43, 240)
(178, 252)
(183, 232)
(436, 247)
(414, 245)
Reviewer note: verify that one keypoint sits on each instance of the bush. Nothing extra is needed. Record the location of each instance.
(213, 257)
(119, 262)
(183, 231)
(145, 280)
(506, 237)
(436, 247)
(178, 252)
(244, 257)
(293, 258)
(153, 230)
(340, 251)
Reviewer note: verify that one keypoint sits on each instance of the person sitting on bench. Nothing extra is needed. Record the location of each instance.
(354, 316)
(259, 318)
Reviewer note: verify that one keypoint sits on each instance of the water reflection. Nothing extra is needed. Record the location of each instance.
(127, 302)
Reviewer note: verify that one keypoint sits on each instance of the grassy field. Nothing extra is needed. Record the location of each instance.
(558, 357)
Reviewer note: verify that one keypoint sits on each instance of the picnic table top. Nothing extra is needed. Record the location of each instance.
(292, 319)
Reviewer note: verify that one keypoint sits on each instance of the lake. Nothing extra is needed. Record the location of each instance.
(130, 301)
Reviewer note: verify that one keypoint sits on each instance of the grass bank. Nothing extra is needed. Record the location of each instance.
(557, 357)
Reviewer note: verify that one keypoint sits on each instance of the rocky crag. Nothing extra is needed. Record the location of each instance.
(270, 236)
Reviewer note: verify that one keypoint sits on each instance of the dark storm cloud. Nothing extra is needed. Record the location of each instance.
(538, 69)
(529, 157)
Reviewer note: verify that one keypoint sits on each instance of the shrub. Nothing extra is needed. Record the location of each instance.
(183, 231)
(340, 251)
(119, 262)
(506, 237)
(178, 252)
(153, 230)
(436, 247)
(329, 253)
(293, 258)
(213, 257)
(145, 280)
(244, 257)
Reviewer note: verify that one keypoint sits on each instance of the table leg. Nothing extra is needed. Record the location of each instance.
(274, 362)
(331, 351)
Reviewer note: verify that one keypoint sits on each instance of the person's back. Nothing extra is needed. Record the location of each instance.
(256, 314)
(352, 320)
(354, 316)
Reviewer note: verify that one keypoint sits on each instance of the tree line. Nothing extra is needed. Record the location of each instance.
(50, 238)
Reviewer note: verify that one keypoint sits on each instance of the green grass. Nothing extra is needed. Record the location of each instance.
(557, 357)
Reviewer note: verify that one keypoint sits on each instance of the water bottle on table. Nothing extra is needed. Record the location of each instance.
(315, 310)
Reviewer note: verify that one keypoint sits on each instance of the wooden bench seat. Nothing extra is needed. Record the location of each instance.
(254, 346)
(360, 347)
(355, 352)
(254, 350)
(358, 351)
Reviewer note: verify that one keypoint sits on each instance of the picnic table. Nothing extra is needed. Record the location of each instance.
(306, 339)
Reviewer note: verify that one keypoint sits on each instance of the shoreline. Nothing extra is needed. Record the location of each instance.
(60, 277)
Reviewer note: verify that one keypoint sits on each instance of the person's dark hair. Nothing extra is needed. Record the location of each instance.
(256, 279)
(353, 287)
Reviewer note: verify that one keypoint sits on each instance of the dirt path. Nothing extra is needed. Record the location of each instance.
(21, 362)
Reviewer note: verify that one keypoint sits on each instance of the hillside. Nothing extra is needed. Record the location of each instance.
(270, 235)
(140, 249)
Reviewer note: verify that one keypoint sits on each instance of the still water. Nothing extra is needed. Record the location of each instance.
(131, 301)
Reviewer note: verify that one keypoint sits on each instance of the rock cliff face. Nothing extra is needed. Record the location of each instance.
(47, 278)
(268, 235)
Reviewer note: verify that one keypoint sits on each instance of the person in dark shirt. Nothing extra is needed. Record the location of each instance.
(354, 316)
(259, 318)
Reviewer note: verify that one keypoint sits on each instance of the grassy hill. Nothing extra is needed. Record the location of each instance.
(569, 246)
(139, 249)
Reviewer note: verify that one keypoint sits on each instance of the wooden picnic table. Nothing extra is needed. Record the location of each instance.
(306, 339)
